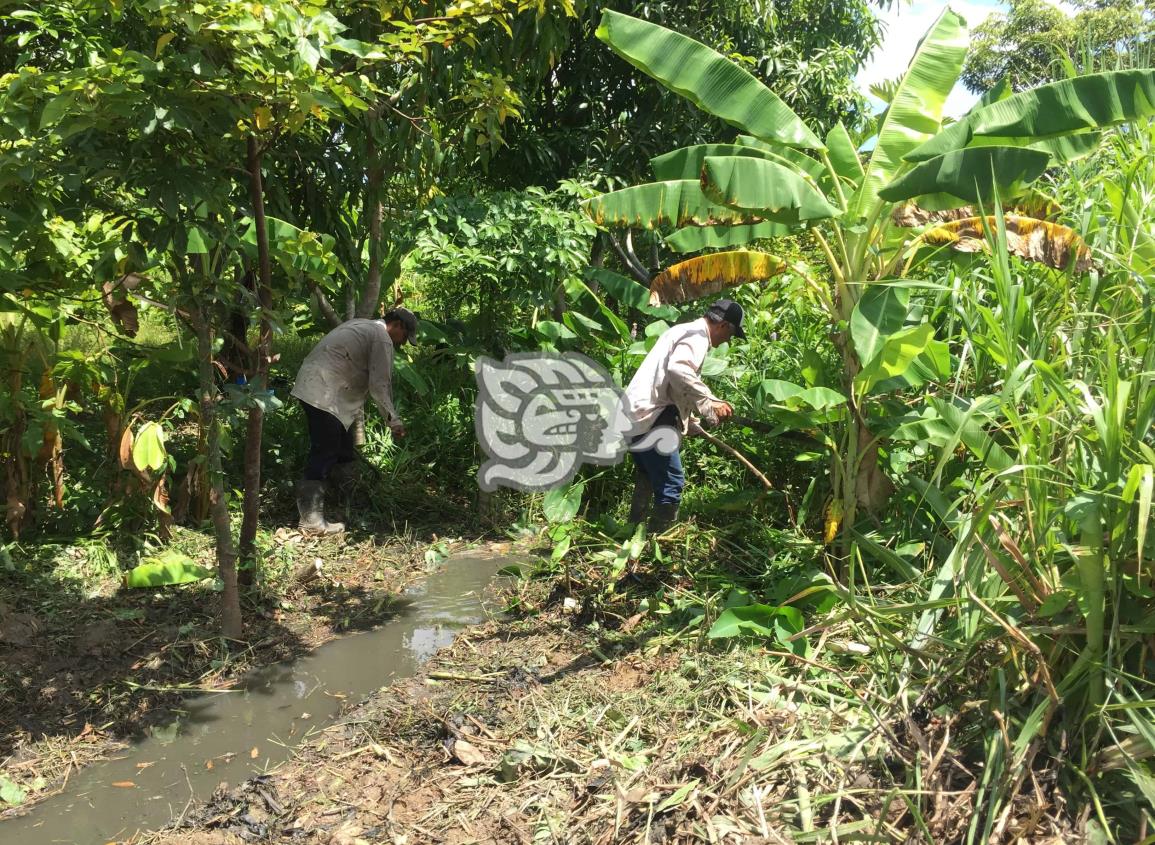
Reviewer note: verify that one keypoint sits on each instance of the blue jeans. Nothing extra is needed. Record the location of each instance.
(663, 471)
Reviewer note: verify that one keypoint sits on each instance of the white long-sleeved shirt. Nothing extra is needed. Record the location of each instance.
(352, 361)
(670, 374)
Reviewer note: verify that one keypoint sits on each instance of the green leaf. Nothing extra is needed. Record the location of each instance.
(710, 81)
(894, 358)
(844, 157)
(623, 289)
(148, 450)
(561, 505)
(967, 429)
(697, 238)
(675, 203)
(915, 113)
(169, 567)
(772, 191)
(1094, 101)
(971, 175)
(554, 331)
(686, 163)
(879, 313)
(10, 793)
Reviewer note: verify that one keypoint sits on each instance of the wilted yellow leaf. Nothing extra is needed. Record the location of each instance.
(833, 521)
(263, 117)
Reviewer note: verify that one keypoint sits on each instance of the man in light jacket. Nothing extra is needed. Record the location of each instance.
(351, 362)
(667, 390)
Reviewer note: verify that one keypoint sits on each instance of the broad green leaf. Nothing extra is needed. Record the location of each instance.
(772, 191)
(169, 567)
(915, 113)
(697, 238)
(706, 275)
(1095, 101)
(554, 331)
(970, 175)
(148, 449)
(821, 398)
(621, 288)
(10, 792)
(627, 292)
(765, 620)
(779, 390)
(675, 203)
(879, 313)
(561, 505)
(707, 79)
(686, 163)
(960, 136)
(967, 429)
(894, 358)
(844, 157)
(788, 156)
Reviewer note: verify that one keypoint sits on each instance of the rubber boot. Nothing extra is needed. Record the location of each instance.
(640, 503)
(311, 507)
(664, 516)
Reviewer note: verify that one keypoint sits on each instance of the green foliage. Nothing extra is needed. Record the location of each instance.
(1034, 40)
(166, 569)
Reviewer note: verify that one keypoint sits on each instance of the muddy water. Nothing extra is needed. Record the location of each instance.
(230, 736)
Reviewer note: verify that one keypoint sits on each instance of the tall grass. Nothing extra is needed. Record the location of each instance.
(1041, 492)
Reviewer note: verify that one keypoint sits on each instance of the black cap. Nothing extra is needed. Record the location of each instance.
(405, 317)
(729, 311)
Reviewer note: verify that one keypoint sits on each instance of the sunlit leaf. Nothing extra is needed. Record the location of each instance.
(706, 275)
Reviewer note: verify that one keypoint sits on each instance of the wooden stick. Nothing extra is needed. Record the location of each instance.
(726, 447)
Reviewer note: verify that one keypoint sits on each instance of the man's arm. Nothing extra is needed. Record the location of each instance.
(381, 383)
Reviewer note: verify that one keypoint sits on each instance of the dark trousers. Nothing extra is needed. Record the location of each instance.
(663, 471)
(330, 443)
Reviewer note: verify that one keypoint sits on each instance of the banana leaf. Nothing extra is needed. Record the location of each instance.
(707, 275)
(696, 238)
(676, 203)
(772, 191)
(970, 175)
(707, 79)
(915, 113)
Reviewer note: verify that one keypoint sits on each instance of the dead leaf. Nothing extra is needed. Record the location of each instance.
(255, 753)
(126, 440)
(1027, 237)
(642, 795)
(468, 753)
(124, 784)
(145, 765)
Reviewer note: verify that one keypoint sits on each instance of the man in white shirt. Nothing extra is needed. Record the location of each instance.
(351, 362)
(667, 390)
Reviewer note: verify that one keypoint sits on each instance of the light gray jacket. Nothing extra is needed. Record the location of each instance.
(352, 361)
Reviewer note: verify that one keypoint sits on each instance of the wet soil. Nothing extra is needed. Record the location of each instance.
(86, 669)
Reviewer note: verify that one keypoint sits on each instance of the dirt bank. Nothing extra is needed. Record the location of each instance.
(86, 666)
(581, 728)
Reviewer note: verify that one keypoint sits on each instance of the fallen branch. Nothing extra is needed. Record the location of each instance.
(726, 447)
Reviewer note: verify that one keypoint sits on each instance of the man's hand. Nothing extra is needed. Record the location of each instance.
(398, 429)
(722, 410)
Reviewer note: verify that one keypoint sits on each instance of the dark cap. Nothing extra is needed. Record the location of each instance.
(729, 311)
(405, 317)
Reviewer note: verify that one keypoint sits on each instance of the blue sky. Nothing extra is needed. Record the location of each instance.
(906, 23)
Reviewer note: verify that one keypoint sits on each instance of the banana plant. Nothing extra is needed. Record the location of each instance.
(777, 177)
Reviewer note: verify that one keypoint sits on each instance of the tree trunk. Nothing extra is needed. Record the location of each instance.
(375, 212)
(256, 421)
(231, 626)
